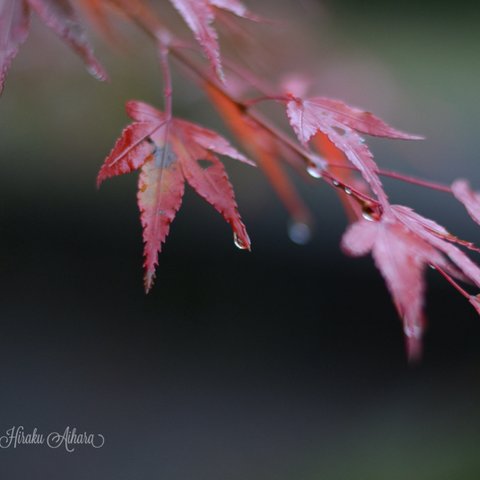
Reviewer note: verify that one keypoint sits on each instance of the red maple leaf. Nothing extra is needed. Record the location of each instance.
(57, 15)
(403, 243)
(14, 25)
(470, 199)
(342, 125)
(199, 16)
(168, 153)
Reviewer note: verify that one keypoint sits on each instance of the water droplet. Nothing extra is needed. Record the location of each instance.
(367, 215)
(239, 243)
(433, 267)
(348, 190)
(335, 183)
(314, 171)
(413, 331)
(371, 213)
(299, 233)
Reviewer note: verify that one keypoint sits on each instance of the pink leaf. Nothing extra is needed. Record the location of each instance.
(401, 257)
(439, 238)
(61, 18)
(168, 157)
(470, 199)
(14, 26)
(211, 183)
(307, 119)
(129, 153)
(143, 112)
(359, 238)
(199, 16)
(212, 141)
(357, 119)
(403, 243)
(160, 192)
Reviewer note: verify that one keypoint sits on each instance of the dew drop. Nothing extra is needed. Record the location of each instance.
(314, 171)
(335, 183)
(433, 267)
(299, 233)
(367, 216)
(348, 190)
(413, 331)
(239, 243)
(370, 213)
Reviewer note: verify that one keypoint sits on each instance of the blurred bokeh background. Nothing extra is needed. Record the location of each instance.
(284, 363)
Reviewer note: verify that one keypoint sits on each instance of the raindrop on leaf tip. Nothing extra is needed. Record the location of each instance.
(239, 243)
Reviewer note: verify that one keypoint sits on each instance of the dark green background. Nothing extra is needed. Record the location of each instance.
(284, 363)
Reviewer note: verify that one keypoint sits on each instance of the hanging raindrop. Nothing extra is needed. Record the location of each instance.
(370, 213)
(299, 232)
(367, 215)
(239, 243)
(314, 171)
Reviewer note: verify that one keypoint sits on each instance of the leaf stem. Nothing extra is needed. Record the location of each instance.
(276, 98)
(402, 177)
(451, 281)
(163, 51)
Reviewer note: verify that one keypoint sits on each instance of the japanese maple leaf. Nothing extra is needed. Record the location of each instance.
(437, 236)
(168, 154)
(342, 125)
(56, 14)
(199, 16)
(470, 199)
(401, 257)
(14, 25)
(138, 11)
(402, 244)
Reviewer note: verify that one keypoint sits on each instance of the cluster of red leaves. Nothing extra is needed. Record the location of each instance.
(169, 152)
(60, 16)
(57, 15)
(199, 15)
(402, 242)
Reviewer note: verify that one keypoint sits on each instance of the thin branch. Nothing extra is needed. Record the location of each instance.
(402, 177)
(451, 281)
